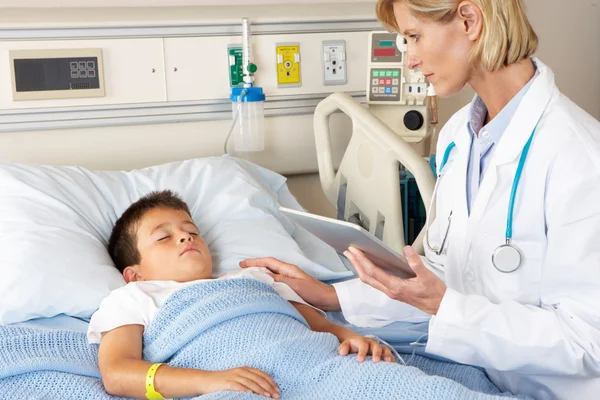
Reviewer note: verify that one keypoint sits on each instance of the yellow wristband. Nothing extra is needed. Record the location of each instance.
(152, 394)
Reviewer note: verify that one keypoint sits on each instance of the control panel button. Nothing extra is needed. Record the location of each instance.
(382, 82)
(91, 73)
(81, 64)
(73, 65)
(395, 90)
(395, 81)
(375, 73)
(375, 90)
(83, 74)
(74, 74)
(91, 65)
(413, 120)
(375, 82)
(396, 73)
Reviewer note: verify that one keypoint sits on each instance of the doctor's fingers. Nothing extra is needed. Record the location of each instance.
(414, 261)
(368, 279)
(395, 288)
(274, 265)
(370, 273)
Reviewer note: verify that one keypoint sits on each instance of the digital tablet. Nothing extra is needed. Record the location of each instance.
(341, 234)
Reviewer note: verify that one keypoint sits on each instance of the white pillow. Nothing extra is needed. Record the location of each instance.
(313, 248)
(55, 223)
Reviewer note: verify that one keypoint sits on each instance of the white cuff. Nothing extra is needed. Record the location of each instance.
(344, 297)
(439, 323)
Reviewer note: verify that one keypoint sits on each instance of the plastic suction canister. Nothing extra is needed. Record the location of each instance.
(248, 107)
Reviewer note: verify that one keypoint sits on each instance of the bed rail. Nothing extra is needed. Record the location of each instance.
(366, 187)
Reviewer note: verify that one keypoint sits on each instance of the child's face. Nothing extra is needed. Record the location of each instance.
(170, 249)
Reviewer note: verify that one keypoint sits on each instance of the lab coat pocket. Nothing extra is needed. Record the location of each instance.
(522, 285)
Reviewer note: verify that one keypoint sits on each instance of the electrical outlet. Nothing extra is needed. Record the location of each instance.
(288, 64)
(334, 62)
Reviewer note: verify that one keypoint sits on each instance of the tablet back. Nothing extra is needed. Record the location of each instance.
(341, 234)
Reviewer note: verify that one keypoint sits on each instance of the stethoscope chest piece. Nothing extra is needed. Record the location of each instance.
(507, 258)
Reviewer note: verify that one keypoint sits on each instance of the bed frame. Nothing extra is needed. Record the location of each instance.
(366, 187)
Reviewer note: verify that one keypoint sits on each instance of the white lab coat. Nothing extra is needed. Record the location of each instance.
(537, 330)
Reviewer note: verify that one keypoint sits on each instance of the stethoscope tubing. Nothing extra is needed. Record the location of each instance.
(509, 219)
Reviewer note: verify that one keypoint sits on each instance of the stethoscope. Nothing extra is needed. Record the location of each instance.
(507, 257)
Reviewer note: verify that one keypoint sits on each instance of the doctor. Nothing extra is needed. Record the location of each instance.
(511, 273)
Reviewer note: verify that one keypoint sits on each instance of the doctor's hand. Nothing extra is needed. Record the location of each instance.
(424, 291)
(313, 291)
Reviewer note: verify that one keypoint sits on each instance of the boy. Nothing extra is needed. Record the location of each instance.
(157, 247)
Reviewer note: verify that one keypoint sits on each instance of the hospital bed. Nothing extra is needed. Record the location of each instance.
(31, 368)
(265, 190)
(79, 206)
(369, 165)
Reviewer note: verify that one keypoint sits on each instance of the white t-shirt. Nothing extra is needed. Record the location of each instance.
(137, 303)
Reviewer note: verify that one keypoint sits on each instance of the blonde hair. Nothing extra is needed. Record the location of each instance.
(506, 38)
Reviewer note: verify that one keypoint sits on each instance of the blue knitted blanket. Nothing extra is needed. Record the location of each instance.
(224, 324)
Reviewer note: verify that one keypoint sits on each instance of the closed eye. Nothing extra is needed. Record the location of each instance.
(193, 233)
(415, 37)
(164, 238)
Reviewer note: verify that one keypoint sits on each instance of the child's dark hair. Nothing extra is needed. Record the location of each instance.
(122, 245)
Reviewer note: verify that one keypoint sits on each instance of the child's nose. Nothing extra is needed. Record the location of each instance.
(185, 238)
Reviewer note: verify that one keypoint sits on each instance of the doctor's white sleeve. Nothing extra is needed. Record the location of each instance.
(562, 335)
(365, 306)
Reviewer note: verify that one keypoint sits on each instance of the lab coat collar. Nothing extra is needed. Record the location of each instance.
(527, 116)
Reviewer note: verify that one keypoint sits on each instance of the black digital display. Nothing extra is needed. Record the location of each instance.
(42, 74)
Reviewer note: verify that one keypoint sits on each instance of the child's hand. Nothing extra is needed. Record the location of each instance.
(364, 346)
(243, 379)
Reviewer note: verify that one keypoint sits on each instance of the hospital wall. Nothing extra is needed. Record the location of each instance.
(153, 114)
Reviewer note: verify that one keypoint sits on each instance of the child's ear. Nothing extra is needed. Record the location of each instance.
(130, 274)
